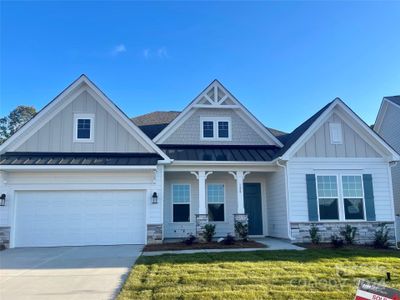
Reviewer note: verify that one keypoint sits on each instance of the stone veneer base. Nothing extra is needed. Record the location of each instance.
(154, 233)
(365, 231)
(242, 218)
(5, 236)
(201, 221)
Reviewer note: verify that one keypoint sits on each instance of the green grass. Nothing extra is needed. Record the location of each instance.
(309, 274)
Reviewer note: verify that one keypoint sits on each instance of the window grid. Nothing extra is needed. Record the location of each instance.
(352, 186)
(223, 129)
(215, 193)
(327, 187)
(208, 129)
(180, 194)
(83, 128)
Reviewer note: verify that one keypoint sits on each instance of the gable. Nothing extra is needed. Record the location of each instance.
(57, 134)
(53, 129)
(389, 126)
(216, 102)
(319, 144)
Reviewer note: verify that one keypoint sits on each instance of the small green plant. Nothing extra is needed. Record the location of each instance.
(381, 237)
(242, 230)
(229, 239)
(189, 240)
(337, 242)
(314, 235)
(349, 234)
(209, 232)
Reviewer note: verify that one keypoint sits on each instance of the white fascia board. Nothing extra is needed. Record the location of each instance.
(381, 114)
(77, 167)
(221, 166)
(324, 116)
(167, 131)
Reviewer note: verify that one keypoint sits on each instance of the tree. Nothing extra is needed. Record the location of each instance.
(14, 121)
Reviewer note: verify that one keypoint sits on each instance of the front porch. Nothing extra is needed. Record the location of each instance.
(195, 198)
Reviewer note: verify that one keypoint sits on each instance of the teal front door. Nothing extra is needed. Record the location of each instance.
(252, 207)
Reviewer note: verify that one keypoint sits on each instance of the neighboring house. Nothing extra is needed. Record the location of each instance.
(82, 173)
(387, 125)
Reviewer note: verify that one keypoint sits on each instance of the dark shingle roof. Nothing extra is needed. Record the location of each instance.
(394, 99)
(155, 118)
(220, 152)
(82, 158)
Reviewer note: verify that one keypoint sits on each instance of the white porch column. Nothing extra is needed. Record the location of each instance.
(239, 176)
(202, 176)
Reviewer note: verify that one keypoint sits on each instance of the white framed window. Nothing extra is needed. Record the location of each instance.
(328, 197)
(83, 128)
(335, 130)
(180, 202)
(216, 202)
(215, 128)
(353, 197)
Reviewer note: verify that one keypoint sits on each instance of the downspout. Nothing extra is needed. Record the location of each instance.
(392, 164)
(278, 162)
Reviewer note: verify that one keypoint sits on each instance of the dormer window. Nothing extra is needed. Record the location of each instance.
(83, 128)
(215, 128)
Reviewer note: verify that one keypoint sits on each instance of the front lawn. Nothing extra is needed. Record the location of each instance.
(308, 274)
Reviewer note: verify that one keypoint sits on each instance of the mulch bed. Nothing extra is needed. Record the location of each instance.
(330, 246)
(205, 245)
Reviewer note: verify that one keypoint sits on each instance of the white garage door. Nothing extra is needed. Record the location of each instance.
(76, 218)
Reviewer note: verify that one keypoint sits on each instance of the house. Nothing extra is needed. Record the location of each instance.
(82, 173)
(387, 125)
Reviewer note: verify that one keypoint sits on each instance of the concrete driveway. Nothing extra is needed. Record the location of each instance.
(92, 272)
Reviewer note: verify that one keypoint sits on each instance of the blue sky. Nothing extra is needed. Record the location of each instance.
(283, 60)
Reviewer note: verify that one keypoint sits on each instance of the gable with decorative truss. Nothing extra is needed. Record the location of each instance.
(223, 113)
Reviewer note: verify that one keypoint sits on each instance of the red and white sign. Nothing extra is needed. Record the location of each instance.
(371, 291)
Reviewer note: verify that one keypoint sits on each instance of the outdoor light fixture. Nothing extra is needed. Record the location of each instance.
(3, 200)
(154, 198)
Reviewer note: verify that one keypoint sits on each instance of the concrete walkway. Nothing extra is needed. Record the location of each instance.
(272, 243)
(92, 272)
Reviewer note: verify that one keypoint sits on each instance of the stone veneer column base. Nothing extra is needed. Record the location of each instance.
(201, 221)
(365, 231)
(5, 237)
(154, 233)
(241, 218)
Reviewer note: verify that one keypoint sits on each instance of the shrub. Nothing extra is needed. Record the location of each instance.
(337, 242)
(315, 237)
(209, 232)
(242, 230)
(190, 239)
(229, 239)
(349, 234)
(381, 237)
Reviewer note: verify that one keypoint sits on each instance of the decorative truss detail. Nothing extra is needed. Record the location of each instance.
(216, 96)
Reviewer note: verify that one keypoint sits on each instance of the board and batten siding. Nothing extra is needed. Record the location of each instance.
(57, 134)
(390, 131)
(189, 132)
(298, 169)
(319, 144)
(277, 205)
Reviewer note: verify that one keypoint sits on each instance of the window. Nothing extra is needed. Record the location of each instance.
(336, 133)
(216, 199)
(327, 191)
(353, 197)
(181, 202)
(84, 125)
(215, 128)
(223, 129)
(208, 129)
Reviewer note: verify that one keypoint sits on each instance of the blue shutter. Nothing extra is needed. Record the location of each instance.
(312, 197)
(369, 197)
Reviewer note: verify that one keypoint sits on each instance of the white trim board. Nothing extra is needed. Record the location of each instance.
(192, 107)
(80, 85)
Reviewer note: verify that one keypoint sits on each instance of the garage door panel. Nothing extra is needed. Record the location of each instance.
(72, 218)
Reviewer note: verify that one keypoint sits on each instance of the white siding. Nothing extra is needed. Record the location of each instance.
(390, 131)
(189, 131)
(298, 169)
(57, 134)
(276, 204)
(319, 144)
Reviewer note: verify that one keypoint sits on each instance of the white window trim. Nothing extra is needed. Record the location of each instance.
(363, 198)
(336, 127)
(77, 117)
(338, 198)
(215, 121)
(172, 203)
(224, 185)
(339, 182)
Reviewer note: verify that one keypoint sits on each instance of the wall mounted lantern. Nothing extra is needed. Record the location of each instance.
(3, 200)
(154, 198)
